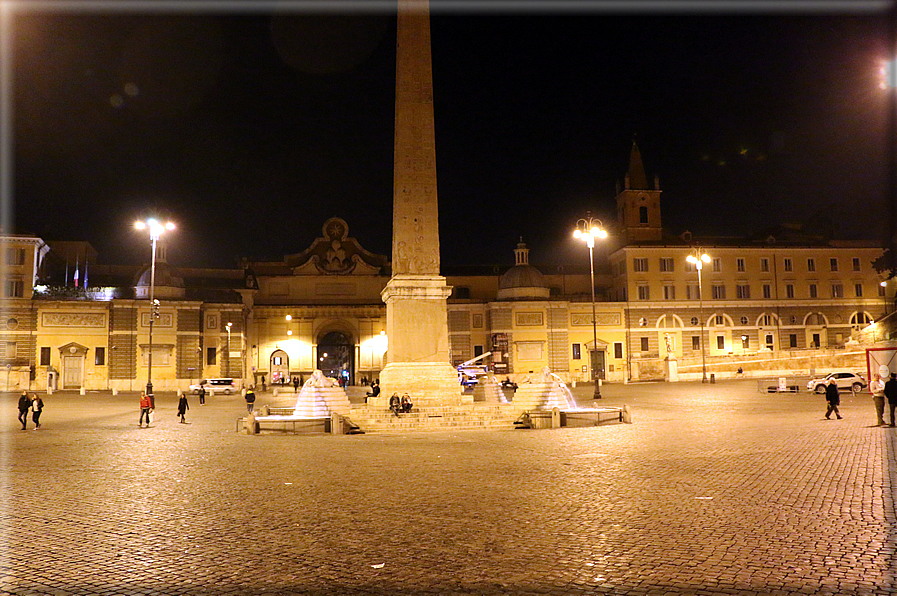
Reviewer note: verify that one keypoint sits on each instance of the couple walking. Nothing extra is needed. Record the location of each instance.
(881, 391)
(34, 404)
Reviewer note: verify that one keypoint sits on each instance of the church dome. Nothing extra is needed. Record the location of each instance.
(167, 284)
(522, 281)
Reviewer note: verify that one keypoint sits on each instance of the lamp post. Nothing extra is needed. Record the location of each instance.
(228, 326)
(698, 258)
(884, 296)
(156, 228)
(587, 230)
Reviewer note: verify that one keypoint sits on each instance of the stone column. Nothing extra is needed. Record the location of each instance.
(415, 297)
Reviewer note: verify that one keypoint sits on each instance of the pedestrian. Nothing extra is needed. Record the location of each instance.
(891, 394)
(37, 406)
(374, 392)
(24, 406)
(146, 406)
(295, 384)
(833, 399)
(202, 395)
(877, 389)
(250, 399)
(183, 406)
(264, 387)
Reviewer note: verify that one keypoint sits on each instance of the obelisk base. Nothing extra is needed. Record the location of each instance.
(426, 383)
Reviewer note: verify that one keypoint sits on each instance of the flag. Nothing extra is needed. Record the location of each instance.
(76, 271)
(66, 272)
(85, 273)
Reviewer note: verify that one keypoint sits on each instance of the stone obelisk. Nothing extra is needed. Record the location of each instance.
(416, 316)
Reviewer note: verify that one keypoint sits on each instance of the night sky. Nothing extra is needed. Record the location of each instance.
(249, 131)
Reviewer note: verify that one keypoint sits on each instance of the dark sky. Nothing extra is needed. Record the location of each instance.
(250, 131)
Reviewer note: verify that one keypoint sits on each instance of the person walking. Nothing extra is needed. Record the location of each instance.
(891, 394)
(877, 389)
(37, 406)
(146, 406)
(202, 395)
(833, 399)
(250, 400)
(295, 384)
(24, 406)
(183, 406)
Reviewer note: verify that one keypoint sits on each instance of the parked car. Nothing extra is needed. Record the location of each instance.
(846, 381)
(225, 386)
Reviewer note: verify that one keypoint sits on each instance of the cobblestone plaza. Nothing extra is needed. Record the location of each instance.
(714, 489)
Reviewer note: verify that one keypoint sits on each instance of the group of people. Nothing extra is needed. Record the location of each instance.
(400, 405)
(35, 405)
(882, 391)
(374, 392)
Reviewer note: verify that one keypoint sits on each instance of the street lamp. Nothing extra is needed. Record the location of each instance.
(156, 228)
(587, 230)
(884, 296)
(698, 258)
(228, 326)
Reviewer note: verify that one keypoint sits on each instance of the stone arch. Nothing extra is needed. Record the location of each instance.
(662, 322)
(860, 318)
(711, 320)
(815, 319)
(279, 366)
(337, 347)
(773, 319)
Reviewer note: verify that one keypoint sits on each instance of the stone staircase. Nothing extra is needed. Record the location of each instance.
(475, 416)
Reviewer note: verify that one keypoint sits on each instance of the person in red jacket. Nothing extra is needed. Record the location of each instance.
(146, 406)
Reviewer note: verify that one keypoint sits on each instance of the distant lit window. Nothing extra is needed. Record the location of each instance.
(811, 264)
(858, 288)
(720, 320)
(792, 340)
(618, 349)
(643, 215)
(99, 357)
(717, 265)
(837, 291)
(720, 342)
(766, 320)
(640, 264)
(45, 356)
(14, 288)
(695, 342)
(666, 264)
(669, 292)
(739, 264)
(788, 265)
(15, 256)
(860, 319)
(691, 292)
(764, 264)
(814, 293)
(718, 292)
(767, 291)
(644, 344)
(577, 354)
(856, 263)
(833, 262)
(789, 290)
(743, 291)
(643, 293)
(210, 356)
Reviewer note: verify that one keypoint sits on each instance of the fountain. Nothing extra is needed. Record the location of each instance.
(488, 390)
(549, 403)
(321, 404)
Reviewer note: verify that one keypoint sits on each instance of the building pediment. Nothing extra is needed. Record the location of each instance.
(73, 349)
(336, 253)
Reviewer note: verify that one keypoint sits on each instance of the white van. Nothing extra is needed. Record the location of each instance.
(223, 385)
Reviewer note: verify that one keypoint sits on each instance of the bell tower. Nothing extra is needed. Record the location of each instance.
(638, 205)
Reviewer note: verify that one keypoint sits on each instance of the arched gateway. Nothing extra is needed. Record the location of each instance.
(336, 356)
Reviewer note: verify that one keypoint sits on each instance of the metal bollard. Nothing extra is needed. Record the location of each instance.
(712, 378)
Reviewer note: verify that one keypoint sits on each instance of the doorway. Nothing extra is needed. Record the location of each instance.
(336, 357)
(280, 368)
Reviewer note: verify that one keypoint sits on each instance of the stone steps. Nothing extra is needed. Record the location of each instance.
(436, 418)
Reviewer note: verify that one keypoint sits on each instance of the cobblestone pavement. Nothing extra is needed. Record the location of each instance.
(714, 489)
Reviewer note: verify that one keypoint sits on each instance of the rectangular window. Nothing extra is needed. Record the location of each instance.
(99, 357)
(719, 320)
(15, 256)
(858, 288)
(811, 264)
(720, 342)
(11, 349)
(618, 349)
(766, 320)
(45, 356)
(690, 267)
(856, 263)
(669, 292)
(788, 264)
(764, 264)
(813, 292)
(719, 292)
(643, 293)
(739, 264)
(577, 354)
(477, 351)
(14, 288)
(717, 265)
(691, 292)
(789, 290)
(743, 291)
(792, 340)
(837, 291)
(695, 342)
(640, 264)
(644, 342)
(767, 291)
(210, 356)
(666, 264)
(833, 262)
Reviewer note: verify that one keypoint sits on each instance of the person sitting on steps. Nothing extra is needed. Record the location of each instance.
(395, 404)
(374, 392)
(406, 403)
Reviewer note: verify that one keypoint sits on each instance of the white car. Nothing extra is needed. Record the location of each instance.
(846, 381)
(225, 386)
